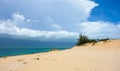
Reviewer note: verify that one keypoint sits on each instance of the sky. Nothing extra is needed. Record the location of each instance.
(59, 20)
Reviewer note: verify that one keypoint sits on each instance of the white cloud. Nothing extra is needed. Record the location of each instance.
(84, 7)
(17, 18)
(28, 20)
(70, 8)
(32, 21)
(100, 29)
(9, 27)
(56, 26)
(64, 13)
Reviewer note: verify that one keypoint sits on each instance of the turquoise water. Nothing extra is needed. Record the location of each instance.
(13, 46)
(22, 51)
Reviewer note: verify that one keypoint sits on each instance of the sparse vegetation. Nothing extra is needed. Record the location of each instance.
(105, 39)
(54, 49)
(83, 39)
(5, 57)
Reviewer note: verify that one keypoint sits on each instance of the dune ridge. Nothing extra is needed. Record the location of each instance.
(102, 44)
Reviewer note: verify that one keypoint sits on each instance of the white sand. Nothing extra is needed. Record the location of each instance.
(103, 56)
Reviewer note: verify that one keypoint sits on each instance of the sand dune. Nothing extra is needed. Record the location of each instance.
(102, 56)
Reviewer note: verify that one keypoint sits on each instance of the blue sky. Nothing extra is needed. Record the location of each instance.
(108, 10)
(60, 19)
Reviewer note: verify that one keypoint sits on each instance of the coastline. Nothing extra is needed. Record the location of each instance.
(103, 56)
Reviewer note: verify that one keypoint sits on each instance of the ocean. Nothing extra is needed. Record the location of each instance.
(22, 51)
(13, 50)
(13, 47)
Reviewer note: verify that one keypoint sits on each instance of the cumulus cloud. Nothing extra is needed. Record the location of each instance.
(80, 9)
(84, 6)
(17, 18)
(10, 27)
(65, 13)
(100, 29)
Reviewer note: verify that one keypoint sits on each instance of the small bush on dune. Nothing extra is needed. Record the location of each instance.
(83, 39)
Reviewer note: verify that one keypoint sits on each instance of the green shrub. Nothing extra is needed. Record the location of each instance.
(83, 39)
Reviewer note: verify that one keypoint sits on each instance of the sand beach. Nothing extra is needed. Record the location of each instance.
(102, 56)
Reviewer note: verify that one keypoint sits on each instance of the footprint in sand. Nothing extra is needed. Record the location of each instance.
(54, 60)
(13, 70)
(37, 58)
(20, 60)
(24, 62)
(76, 69)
